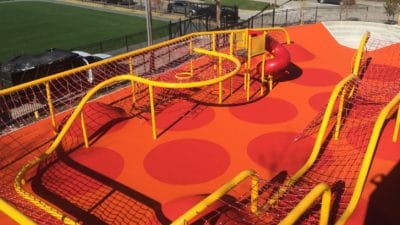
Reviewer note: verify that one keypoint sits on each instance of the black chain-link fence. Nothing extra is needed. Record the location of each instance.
(265, 18)
(287, 17)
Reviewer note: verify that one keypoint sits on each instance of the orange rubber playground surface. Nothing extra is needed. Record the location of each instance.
(202, 146)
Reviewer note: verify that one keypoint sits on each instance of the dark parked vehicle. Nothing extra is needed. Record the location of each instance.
(22, 69)
(336, 2)
(229, 15)
(183, 7)
(26, 68)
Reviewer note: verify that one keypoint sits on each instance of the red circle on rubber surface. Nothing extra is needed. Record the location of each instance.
(186, 161)
(268, 110)
(279, 151)
(318, 101)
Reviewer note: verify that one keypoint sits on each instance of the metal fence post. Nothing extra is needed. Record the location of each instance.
(262, 20)
(286, 17)
(170, 29)
(180, 27)
(273, 17)
(236, 10)
(316, 14)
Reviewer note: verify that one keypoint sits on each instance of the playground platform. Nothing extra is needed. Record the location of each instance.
(199, 146)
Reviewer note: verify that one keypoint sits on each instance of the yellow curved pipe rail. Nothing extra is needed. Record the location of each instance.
(396, 126)
(14, 213)
(219, 193)
(19, 180)
(318, 142)
(366, 164)
(360, 53)
(319, 190)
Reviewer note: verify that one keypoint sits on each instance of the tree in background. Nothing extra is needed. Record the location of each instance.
(157, 5)
(391, 8)
(218, 12)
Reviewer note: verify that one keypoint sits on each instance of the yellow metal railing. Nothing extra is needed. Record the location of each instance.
(20, 181)
(218, 194)
(213, 34)
(15, 214)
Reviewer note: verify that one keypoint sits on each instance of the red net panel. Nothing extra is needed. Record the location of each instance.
(339, 161)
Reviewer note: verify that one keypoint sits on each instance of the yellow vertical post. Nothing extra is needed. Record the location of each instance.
(245, 38)
(84, 133)
(220, 83)
(231, 44)
(248, 67)
(262, 73)
(132, 82)
(213, 41)
(254, 194)
(51, 107)
(325, 207)
(36, 114)
(397, 125)
(270, 82)
(339, 116)
(153, 114)
(231, 48)
(213, 49)
(191, 54)
(131, 65)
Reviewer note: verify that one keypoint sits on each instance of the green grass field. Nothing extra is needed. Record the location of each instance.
(33, 27)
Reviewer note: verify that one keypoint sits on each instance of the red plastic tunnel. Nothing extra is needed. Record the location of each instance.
(279, 62)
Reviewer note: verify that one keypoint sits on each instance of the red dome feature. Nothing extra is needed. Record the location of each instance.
(318, 77)
(278, 151)
(186, 161)
(268, 110)
(102, 160)
(185, 116)
(318, 101)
